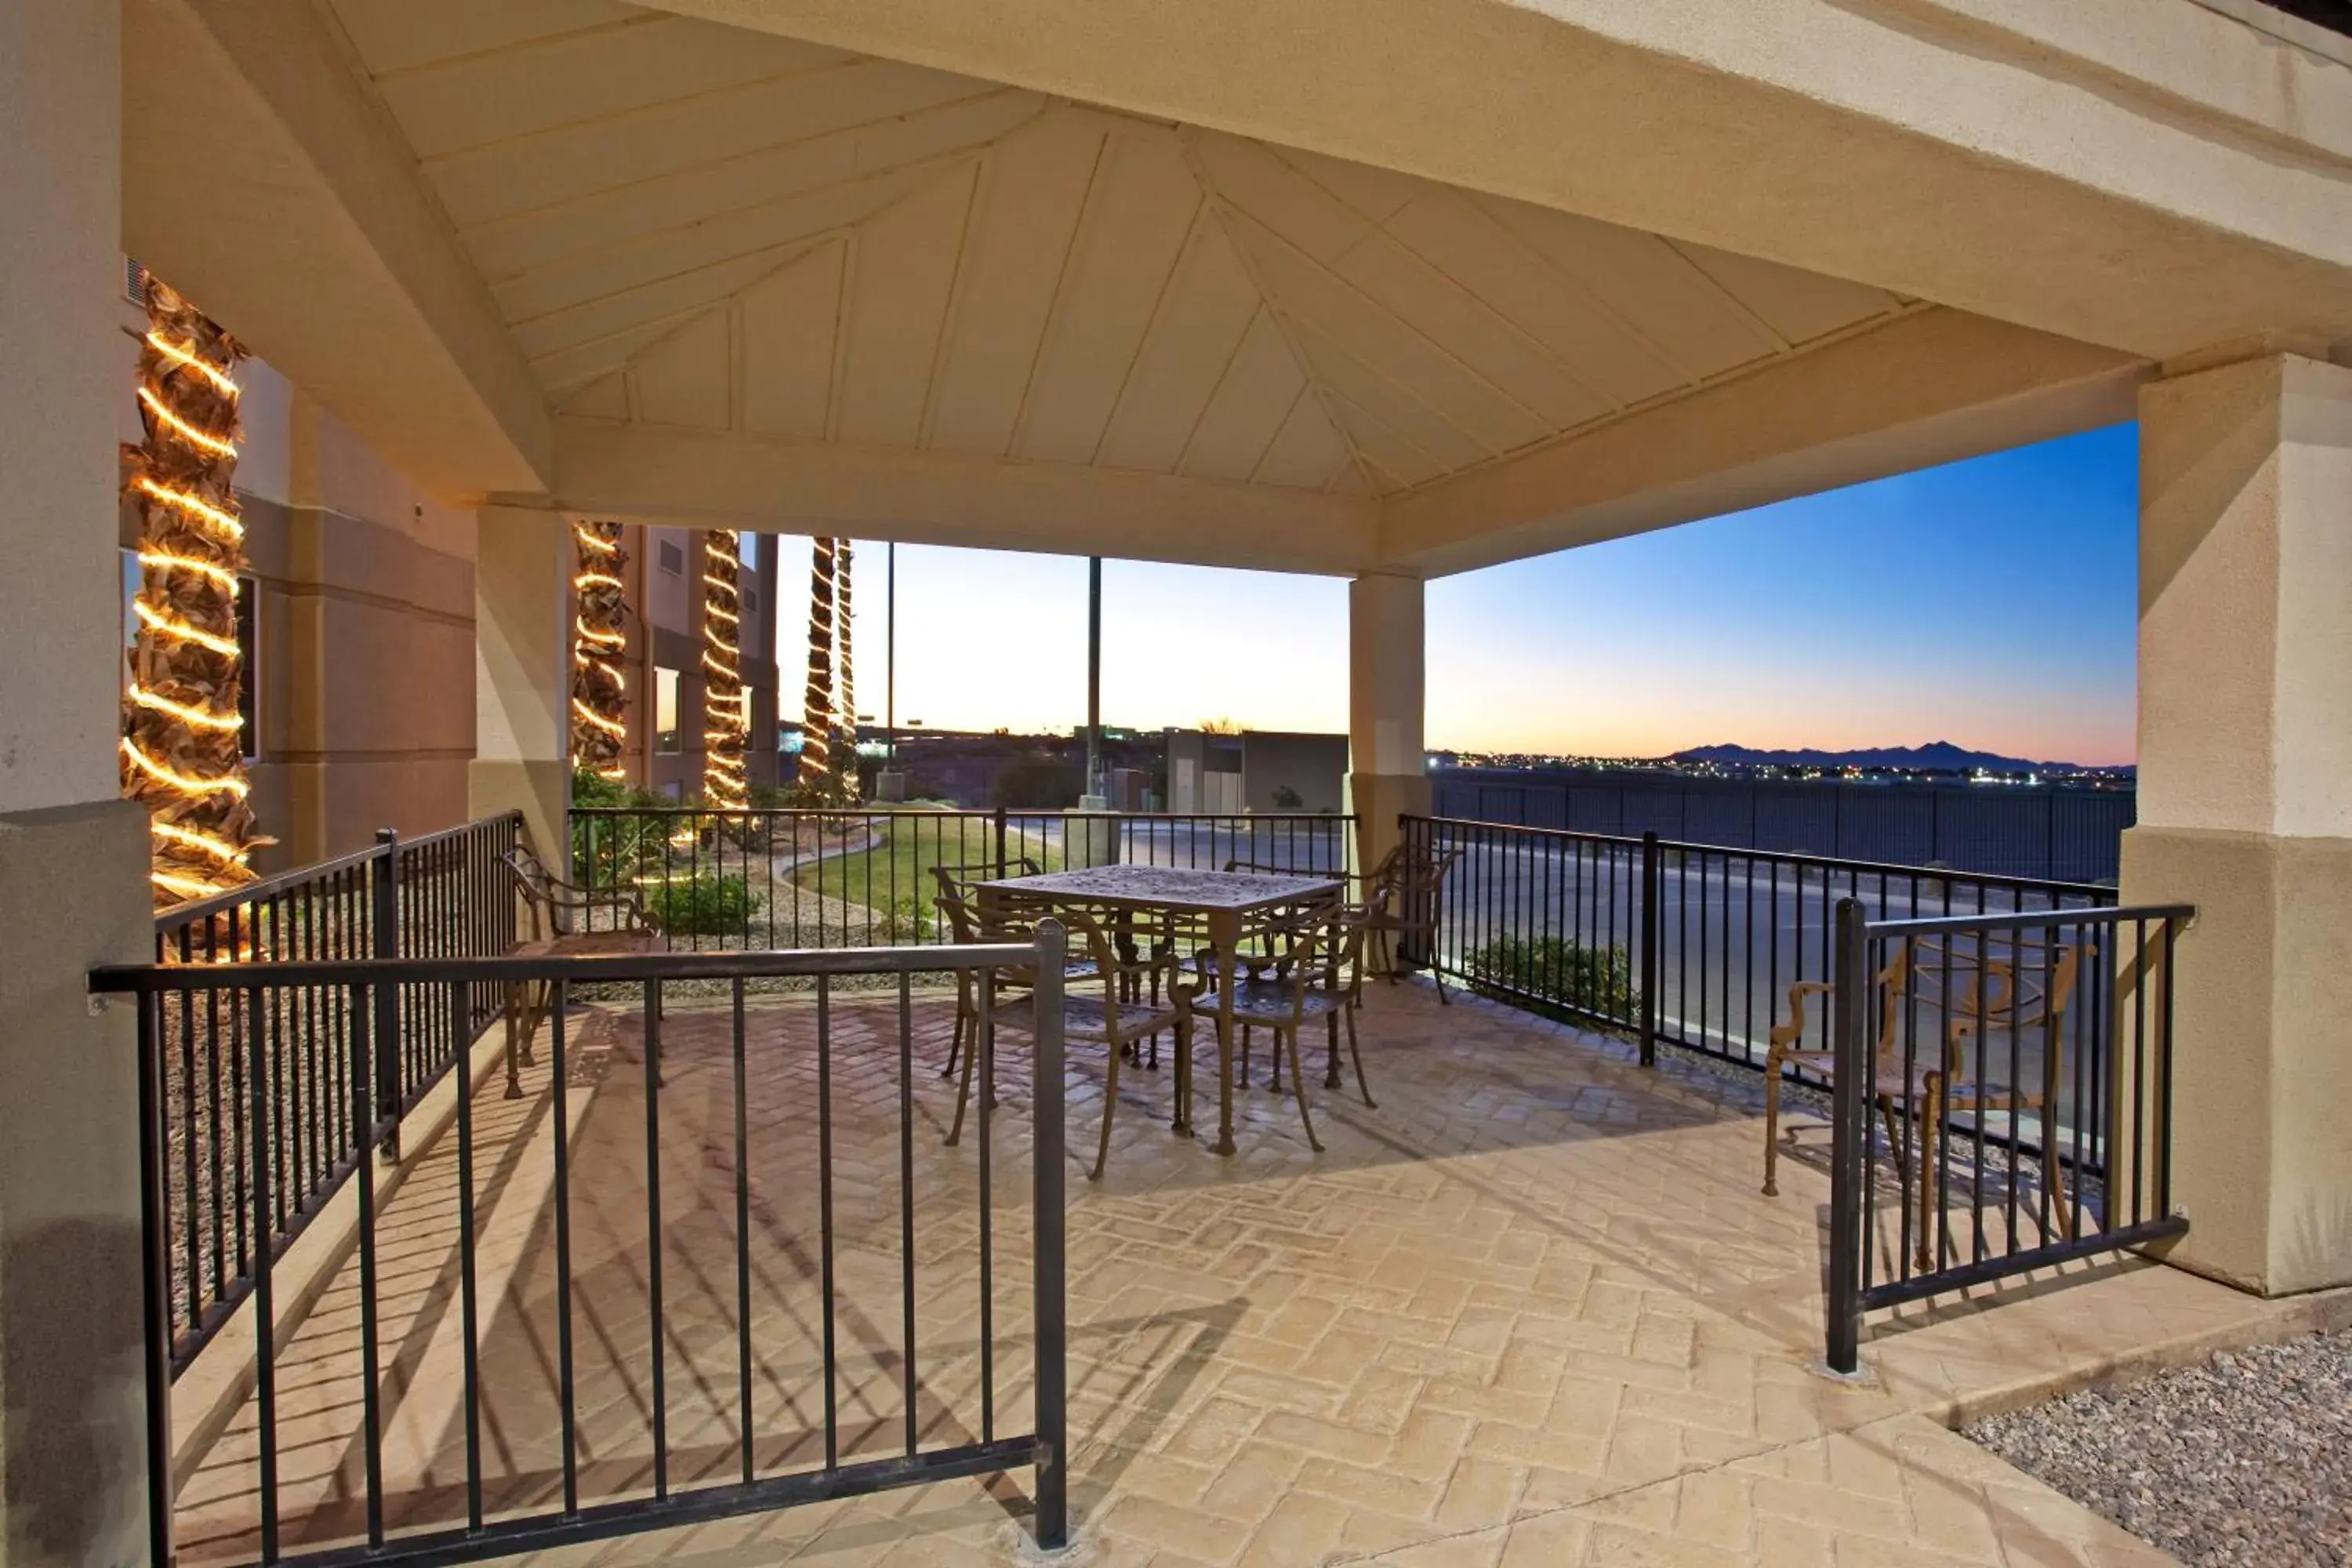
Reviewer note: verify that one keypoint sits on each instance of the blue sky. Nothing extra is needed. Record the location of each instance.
(1992, 603)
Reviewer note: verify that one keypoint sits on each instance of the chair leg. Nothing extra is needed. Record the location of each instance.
(1362, 1087)
(955, 1042)
(1772, 1122)
(1437, 975)
(1110, 1105)
(2054, 1179)
(1331, 1067)
(1243, 1081)
(1931, 1118)
(963, 1088)
(1299, 1085)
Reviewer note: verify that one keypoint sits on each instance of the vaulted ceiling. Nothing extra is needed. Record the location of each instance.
(689, 226)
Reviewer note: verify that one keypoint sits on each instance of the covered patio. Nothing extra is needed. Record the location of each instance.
(1366, 290)
(1529, 1309)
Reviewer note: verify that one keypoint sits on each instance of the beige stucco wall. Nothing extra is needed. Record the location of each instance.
(73, 886)
(2245, 803)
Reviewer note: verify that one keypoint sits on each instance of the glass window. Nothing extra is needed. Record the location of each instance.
(747, 546)
(665, 709)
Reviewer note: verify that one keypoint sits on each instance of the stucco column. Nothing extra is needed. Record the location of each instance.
(522, 689)
(73, 855)
(1388, 768)
(2245, 803)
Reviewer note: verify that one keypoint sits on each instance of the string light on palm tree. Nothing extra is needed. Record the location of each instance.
(600, 729)
(726, 736)
(183, 746)
(816, 695)
(843, 781)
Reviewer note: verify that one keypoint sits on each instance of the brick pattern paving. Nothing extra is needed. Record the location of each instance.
(1531, 1309)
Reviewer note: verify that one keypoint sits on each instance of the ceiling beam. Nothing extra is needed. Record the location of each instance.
(262, 180)
(1941, 148)
(1930, 387)
(654, 474)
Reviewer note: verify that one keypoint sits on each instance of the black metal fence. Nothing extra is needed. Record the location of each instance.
(1693, 944)
(2002, 1099)
(799, 878)
(1999, 830)
(442, 896)
(261, 992)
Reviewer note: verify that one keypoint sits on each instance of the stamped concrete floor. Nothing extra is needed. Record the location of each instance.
(1530, 1310)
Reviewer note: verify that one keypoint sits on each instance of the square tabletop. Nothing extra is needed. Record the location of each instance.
(1175, 888)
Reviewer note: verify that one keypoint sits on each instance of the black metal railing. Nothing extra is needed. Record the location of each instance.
(2006, 1042)
(1693, 944)
(2009, 830)
(498, 1527)
(804, 879)
(2002, 1099)
(444, 895)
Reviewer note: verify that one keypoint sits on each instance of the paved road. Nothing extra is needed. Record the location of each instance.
(1738, 932)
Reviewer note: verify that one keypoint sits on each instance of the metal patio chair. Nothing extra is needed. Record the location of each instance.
(1308, 972)
(1113, 1020)
(1403, 904)
(1970, 994)
(551, 903)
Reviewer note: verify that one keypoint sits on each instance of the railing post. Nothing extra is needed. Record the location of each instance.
(386, 923)
(1000, 842)
(1653, 924)
(155, 1245)
(1849, 1131)
(1049, 1261)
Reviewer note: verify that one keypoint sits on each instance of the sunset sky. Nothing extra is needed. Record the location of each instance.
(1990, 603)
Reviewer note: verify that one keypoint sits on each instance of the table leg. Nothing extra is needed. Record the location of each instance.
(1182, 1123)
(1225, 941)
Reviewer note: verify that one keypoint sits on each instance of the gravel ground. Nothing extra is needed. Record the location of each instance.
(2246, 1459)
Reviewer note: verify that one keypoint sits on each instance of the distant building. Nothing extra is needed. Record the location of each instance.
(1256, 771)
(663, 670)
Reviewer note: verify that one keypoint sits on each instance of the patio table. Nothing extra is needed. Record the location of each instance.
(1221, 900)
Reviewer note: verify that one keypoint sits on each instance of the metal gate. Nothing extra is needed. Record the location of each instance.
(2002, 1099)
(278, 1000)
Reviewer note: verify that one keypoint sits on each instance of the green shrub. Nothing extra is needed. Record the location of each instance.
(899, 921)
(706, 904)
(610, 851)
(1589, 980)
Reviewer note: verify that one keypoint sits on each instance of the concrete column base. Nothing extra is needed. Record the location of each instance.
(2262, 1052)
(1377, 800)
(540, 790)
(1089, 838)
(72, 1389)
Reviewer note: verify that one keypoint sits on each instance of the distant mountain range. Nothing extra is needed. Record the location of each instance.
(1936, 756)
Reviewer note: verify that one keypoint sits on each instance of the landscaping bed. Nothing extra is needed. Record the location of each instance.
(2246, 1459)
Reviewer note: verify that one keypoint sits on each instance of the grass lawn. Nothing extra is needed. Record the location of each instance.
(899, 866)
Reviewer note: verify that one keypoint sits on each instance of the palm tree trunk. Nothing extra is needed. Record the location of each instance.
(845, 753)
(724, 732)
(816, 701)
(183, 732)
(600, 728)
